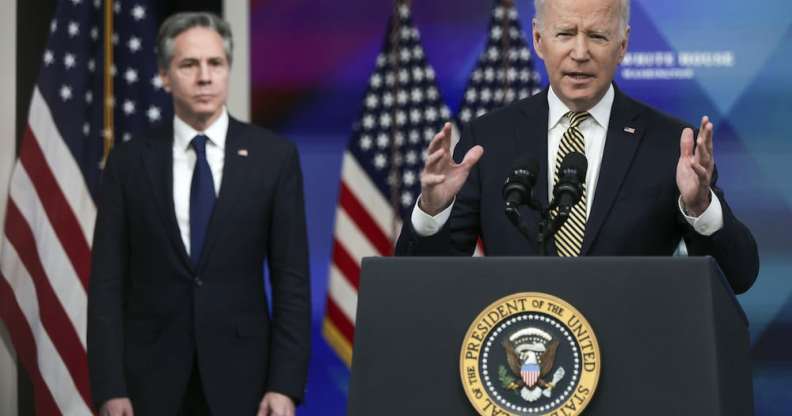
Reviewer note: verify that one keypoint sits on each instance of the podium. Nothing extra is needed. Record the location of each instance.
(672, 337)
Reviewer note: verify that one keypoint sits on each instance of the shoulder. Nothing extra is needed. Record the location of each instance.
(533, 107)
(526, 106)
(260, 137)
(264, 145)
(656, 120)
(157, 139)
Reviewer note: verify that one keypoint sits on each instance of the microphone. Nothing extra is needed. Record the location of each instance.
(571, 179)
(518, 189)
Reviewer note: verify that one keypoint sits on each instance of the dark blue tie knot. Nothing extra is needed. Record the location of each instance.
(199, 143)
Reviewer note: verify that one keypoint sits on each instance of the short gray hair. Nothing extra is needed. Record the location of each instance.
(174, 25)
(624, 15)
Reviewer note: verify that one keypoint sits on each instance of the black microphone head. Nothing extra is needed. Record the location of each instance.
(574, 164)
(527, 167)
(518, 188)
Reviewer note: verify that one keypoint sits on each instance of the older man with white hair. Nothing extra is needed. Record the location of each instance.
(651, 179)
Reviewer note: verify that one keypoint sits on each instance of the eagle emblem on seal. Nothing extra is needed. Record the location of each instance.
(530, 353)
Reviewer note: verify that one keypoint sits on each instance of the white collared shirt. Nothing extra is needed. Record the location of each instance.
(184, 163)
(594, 131)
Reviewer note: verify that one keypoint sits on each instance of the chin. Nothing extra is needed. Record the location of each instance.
(578, 100)
(205, 112)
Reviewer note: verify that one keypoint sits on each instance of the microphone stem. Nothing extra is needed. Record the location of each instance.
(548, 226)
(543, 232)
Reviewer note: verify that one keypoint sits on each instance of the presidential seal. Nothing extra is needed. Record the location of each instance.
(530, 354)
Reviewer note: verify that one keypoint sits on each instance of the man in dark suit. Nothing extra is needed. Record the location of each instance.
(643, 192)
(178, 320)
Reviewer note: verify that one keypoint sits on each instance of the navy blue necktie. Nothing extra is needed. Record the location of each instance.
(202, 199)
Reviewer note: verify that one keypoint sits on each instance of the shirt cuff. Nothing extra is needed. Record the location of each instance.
(426, 225)
(710, 221)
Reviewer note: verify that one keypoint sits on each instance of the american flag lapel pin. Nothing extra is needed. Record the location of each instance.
(630, 130)
(242, 152)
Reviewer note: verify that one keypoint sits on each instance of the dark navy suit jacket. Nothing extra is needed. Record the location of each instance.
(635, 210)
(151, 313)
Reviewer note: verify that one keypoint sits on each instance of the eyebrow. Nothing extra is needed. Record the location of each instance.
(565, 26)
(604, 32)
(196, 59)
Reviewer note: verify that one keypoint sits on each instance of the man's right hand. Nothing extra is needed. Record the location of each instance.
(441, 177)
(117, 407)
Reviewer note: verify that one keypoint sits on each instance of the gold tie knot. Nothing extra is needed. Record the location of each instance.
(575, 118)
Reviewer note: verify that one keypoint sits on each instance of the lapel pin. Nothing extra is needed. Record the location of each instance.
(242, 152)
(630, 130)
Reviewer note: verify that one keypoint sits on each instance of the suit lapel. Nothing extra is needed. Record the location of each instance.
(531, 138)
(625, 130)
(235, 168)
(158, 164)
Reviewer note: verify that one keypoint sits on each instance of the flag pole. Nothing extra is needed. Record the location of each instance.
(395, 58)
(107, 102)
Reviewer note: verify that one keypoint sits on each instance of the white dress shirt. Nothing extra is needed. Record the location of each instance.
(184, 163)
(594, 131)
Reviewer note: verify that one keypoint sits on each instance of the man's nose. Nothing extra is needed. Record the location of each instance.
(204, 73)
(580, 49)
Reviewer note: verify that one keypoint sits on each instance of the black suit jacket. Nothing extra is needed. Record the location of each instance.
(151, 313)
(634, 213)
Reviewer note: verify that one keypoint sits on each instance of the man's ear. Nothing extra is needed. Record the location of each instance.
(166, 84)
(537, 38)
(625, 42)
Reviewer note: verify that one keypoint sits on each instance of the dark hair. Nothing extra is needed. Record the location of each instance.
(180, 22)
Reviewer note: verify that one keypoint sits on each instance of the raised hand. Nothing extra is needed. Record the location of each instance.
(695, 167)
(441, 177)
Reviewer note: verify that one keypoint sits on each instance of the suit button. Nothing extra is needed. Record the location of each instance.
(198, 282)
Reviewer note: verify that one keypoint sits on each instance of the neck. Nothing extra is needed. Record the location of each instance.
(582, 106)
(199, 122)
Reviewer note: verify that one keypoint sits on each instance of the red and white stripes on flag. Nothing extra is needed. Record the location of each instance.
(365, 227)
(48, 231)
(44, 266)
(402, 111)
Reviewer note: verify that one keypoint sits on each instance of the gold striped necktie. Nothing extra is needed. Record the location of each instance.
(569, 238)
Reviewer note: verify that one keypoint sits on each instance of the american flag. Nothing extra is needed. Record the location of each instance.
(46, 247)
(504, 72)
(402, 111)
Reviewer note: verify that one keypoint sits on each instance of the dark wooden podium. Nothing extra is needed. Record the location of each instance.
(673, 339)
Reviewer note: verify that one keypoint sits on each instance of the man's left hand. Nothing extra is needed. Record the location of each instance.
(276, 404)
(695, 167)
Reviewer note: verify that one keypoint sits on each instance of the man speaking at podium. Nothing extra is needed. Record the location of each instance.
(178, 320)
(651, 180)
